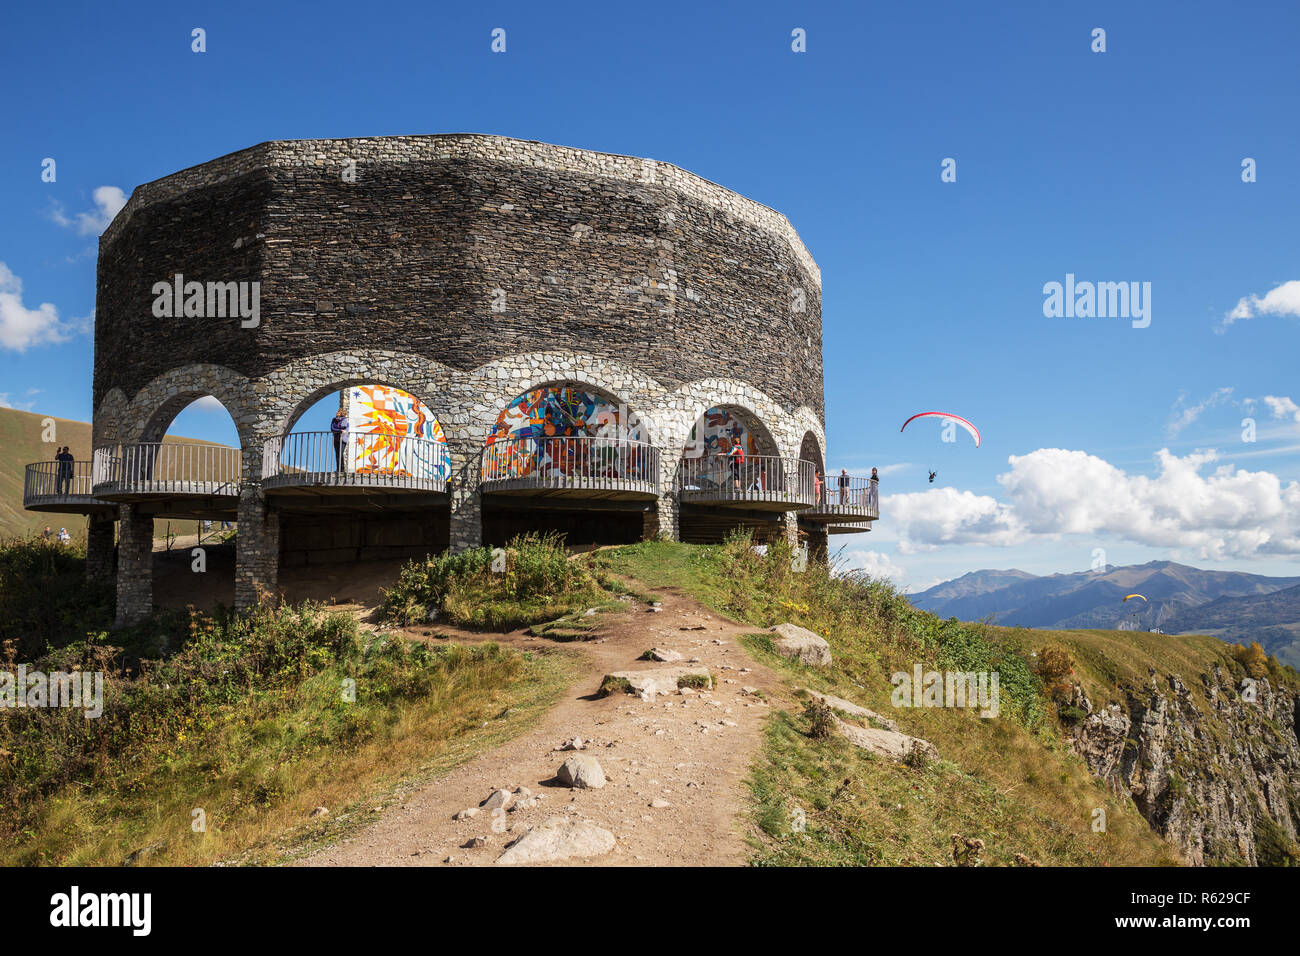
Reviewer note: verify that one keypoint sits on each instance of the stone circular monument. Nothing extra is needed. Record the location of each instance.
(542, 337)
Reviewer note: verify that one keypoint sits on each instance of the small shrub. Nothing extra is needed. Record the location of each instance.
(821, 720)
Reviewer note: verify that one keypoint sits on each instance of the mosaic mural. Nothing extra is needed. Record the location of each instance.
(381, 422)
(715, 434)
(529, 437)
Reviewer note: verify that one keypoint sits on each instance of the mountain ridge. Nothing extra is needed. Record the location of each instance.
(1245, 606)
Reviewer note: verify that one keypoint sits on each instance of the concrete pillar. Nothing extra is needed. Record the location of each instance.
(466, 529)
(134, 567)
(257, 549)
(99, 548)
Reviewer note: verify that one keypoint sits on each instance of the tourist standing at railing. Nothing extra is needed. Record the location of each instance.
(819, 485)
(737, 456)
(339, 429)
(873, 491)
(63, 481)
(844, 486)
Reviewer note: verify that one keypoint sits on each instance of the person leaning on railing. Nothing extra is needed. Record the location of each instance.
(339, 429)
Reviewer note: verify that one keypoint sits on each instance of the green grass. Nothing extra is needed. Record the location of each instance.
(248, 721)
(533, 583)
(1011, 781)
(827, 803)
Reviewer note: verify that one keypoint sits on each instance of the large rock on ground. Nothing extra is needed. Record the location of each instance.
(659, 680)
(852, 709)
(888, 743)
(794, 641)
(581, 771)
(559, 838)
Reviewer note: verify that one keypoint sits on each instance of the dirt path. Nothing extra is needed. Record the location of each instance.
(692, 751)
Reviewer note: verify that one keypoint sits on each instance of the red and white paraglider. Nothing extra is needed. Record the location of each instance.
(947, 416)
(974, 432)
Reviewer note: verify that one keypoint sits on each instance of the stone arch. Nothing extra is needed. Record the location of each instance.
(753, 407)
(158, 403)
(810, 450)
(503, 380)
(580, 384)
(805, 423)
(291, 390)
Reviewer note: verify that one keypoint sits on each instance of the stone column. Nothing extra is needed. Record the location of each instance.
(134, 567)
(99, 548)
(257, 549)
(790, 519)
(819, 542)
(466, 500)
(663, 521)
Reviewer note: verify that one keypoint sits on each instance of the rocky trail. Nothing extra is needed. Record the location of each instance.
(674, 762)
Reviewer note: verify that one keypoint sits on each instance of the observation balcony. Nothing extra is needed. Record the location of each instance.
(760, 482)
(175, 479)
(315, 465)
(578, 467)
(853, 503)
(63, 487)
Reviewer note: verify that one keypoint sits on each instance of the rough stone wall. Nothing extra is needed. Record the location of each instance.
(615, 257)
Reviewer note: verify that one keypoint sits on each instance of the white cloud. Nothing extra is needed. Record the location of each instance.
(208, 403)
(925, 519)
(6, 403)
(1283, 407)
(21, 327)
(872, 563)
(1281, 300)
(109, 201)
(1185, 414)
(1051, 492)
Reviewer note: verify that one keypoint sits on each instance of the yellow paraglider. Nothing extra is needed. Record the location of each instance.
(1133, 596)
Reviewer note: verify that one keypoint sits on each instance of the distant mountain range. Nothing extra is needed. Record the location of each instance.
(1230, 605)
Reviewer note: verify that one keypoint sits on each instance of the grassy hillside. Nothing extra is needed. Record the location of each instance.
(1273, 620)
(1011, 782)
(20, 437)
(20, 445)
(254, 720)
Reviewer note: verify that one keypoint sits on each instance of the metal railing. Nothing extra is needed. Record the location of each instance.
(759, 478)
(165, 468)
(857, 498)
(596, 464)
(360, 459)
(56, 479)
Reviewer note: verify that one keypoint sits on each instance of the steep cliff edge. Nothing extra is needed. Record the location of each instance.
(1213, 765)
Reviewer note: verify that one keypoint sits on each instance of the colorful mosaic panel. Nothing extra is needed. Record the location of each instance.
(529, 434)
(381, 423)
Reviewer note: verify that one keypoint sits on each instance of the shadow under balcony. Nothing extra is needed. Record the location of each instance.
(169, 479)
(364, 471)
(580, 469)
(759, 483)
(62, 487)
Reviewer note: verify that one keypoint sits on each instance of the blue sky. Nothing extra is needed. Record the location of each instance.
(1115, 166)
